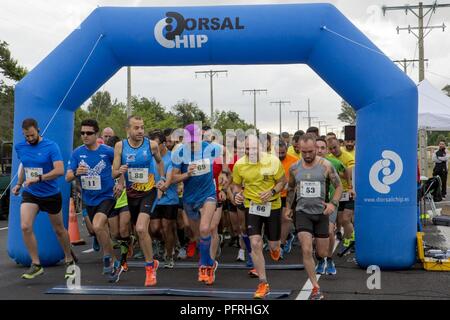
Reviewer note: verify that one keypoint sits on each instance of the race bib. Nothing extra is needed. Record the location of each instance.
(345, 196)
(138, 175)
(262, 210)
(31, 173)
(91, 182)
(203, 166)
(310, 189)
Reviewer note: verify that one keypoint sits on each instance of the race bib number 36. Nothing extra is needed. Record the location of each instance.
(31, 173)
(91, 183)
(138, 175)
(203, 166)
(262, 210)
(310, 189)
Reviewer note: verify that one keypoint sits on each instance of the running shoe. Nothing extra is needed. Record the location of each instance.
(33, 272)
(241, 255)
(202, 274)
(288, 244)
(182, 254)
(150, 274)
(68, 273)
(275, 254)
(191, 249)
(115, 244)
(262, 291)
(211, 273)
(124, 265)
(331, 267)
(316, 294)
(117, 271)
(252, 273)
(339, 235)
(139, 254)
(169, 262)
(320, 268)
(107, 265)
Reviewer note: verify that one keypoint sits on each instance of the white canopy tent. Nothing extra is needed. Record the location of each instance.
(434, 115)
(434, 108)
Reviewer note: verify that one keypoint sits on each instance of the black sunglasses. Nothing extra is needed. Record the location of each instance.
(88, 133)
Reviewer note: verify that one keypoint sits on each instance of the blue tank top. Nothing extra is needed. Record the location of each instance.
(140, 177)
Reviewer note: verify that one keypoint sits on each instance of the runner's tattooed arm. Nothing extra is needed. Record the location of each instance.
(336, 181)
(291, 189)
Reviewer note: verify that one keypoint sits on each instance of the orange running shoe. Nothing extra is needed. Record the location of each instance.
(252, 273)
(150, 274)
(192, 247)
(211, 273)
(124, 266)
(262, 291)
(275, 254)
(202, 274)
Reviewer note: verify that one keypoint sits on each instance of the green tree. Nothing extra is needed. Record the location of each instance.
(187, 112)
(230, 120)
(347, 114)
(13, 72)
(100, 105)
(447, 89)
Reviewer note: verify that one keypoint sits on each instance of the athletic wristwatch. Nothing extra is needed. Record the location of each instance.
(335, 203)
(273, 192)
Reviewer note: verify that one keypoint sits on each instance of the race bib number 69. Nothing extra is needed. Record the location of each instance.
(31, 173)
(203, 166)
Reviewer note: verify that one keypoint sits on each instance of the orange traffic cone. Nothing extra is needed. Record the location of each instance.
(74, 233)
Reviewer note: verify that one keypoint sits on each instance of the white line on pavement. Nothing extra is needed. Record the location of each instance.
(305, 292)
(5, 228)
(88, 250)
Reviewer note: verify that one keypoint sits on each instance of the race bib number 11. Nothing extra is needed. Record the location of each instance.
(91, 183)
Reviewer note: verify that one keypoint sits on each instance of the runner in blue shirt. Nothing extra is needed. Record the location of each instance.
(91, 164)
(164, 216)
(192, 164)
(133, 157)
(41, 165)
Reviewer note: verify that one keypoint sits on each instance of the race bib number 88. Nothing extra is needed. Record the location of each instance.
(310, 189)
(138, 175)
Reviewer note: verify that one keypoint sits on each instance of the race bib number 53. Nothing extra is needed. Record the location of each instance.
(310, 189)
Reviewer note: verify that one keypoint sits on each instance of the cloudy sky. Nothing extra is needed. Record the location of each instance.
(33, 28)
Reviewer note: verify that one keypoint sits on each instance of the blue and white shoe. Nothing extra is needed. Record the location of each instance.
(288, 245)
(117, 271)
(331, 267)
(107, 266)
(320, 269)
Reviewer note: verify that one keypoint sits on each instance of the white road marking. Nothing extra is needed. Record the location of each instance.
(5, 228)
(88, 250)
(305, 292)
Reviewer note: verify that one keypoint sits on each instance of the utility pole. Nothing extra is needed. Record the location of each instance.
(280, 103)
(326, 127)
(309, 115)
(211, 74)
(404, 63)
(254, 92)
(420, 36)
(320, 125)
(298, 112)
(129, 91)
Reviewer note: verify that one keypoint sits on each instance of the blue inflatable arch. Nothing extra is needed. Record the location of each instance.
(315, 34)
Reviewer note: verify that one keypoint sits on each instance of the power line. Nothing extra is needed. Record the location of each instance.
(404, 63)
(211, 74)
(254, 92)
(280, 103)
(420, 36)
(309, 115)
(298, 112)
